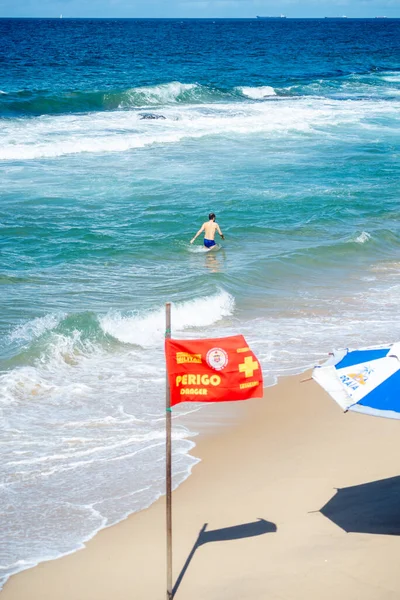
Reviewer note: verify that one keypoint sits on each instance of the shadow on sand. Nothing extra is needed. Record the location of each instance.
(236, 532)
(372, 507)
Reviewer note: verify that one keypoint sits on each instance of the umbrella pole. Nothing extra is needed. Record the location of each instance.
(168, 463)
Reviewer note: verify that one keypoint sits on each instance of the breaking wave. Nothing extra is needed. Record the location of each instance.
(61, 349)
(35, 328)
(363, 237)
(148, 330)
(45, 102)
(35, 103)
(257, 93)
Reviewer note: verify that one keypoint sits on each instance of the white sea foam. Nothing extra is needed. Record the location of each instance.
(363, 237)
(395, 78)
(258, 93)
(148, 330)
(23, 384)
(83, 442)
(51, 376)
(201, 249)
(120, 131)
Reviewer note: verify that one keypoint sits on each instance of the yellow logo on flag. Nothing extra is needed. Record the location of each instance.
(185, 357)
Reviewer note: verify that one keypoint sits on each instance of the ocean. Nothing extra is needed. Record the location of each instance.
(118, 137)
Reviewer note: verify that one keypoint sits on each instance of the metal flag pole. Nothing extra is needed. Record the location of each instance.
(168, 462)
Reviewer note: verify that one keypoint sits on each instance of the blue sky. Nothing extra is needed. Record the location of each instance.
(198, 8)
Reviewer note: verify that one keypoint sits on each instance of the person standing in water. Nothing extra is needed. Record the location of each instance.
(209, 228)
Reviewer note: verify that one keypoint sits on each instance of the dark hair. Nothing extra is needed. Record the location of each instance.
(211, 216)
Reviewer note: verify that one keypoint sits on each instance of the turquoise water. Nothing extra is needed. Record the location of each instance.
(289, 132)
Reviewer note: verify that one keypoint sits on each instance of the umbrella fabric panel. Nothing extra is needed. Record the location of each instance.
(328, 378)
(385, 397)
(354, 357)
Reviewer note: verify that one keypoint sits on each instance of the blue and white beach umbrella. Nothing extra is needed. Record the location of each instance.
(365, 380)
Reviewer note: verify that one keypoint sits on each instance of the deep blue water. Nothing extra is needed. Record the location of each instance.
(287, 129)
(45, 60)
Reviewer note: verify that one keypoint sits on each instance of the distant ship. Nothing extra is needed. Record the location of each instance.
(277, 17)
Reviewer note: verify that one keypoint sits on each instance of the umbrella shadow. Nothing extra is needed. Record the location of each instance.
(235, 532)
(372, 507)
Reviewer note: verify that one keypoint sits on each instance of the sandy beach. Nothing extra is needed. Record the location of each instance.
(247, 524)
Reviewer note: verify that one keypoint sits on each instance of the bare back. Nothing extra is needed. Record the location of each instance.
(210, 227)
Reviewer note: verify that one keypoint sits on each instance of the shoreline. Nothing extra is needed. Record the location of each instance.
(255, 496)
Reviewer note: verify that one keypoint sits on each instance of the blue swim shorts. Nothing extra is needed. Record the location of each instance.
(209, 243)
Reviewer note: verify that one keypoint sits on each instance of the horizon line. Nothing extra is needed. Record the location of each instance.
(255, 18)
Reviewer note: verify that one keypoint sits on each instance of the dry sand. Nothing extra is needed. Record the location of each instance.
(277, 467)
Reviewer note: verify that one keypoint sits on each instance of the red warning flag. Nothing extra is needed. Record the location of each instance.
(212, 370)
